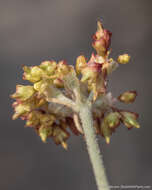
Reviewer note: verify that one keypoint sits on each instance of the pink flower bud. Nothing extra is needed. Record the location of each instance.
(91, 71)
(101, 40)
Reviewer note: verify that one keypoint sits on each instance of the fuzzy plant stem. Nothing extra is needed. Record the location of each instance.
(93, 147)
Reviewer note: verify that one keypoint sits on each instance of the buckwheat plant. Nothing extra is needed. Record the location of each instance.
(63, 97)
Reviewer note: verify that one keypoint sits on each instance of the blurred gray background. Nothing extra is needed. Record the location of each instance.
(33, 31)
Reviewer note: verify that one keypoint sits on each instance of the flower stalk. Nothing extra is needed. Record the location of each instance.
(93, 147)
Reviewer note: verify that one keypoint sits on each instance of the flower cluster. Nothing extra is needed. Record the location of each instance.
(31, 104)
(45, 105)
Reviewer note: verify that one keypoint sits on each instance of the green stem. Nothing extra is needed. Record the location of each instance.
(93, 147)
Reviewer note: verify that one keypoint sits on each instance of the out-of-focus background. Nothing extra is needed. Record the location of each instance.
(34, 31)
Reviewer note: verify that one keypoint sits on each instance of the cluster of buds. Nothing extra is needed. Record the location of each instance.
(31, 104)
(44, 104)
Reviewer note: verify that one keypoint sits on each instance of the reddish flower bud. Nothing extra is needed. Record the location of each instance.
(91, 71)
(58, 83)
(101, 40)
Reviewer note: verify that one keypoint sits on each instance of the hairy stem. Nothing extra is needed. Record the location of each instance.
(93, 147)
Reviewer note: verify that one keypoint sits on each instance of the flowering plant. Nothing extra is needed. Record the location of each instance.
(63, 97)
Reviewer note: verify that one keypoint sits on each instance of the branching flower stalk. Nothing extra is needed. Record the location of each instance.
(63, 97)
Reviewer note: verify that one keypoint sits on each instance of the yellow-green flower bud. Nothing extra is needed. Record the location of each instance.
(80, 63)
(49, 67)
(112, 119)
(40, 86)
(20, 109)
(106, 131)
(123, 59)
(40, 102)
(33, 74)
(47, 119)
(88, 73)
(33, 118)
(63, 68)
(128, 97)
(130, 119)
(60, 135)
(23, 93)
(45, 132)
